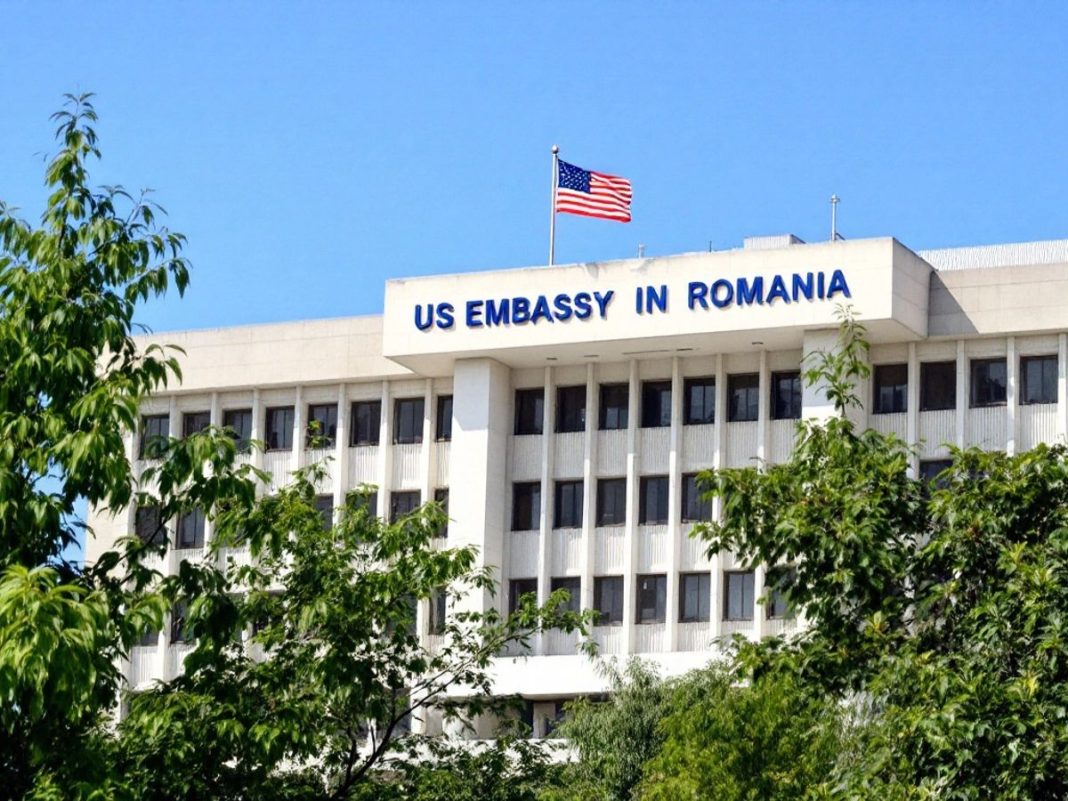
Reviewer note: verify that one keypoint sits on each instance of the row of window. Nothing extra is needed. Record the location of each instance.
(611, 507)
(988, 384)
(695, 597)
(366, 419)
(699, 403)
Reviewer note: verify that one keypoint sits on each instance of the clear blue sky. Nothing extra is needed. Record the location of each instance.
(311, 150)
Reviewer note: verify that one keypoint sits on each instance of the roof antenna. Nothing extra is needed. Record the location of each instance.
(641, 251)
(835, 236)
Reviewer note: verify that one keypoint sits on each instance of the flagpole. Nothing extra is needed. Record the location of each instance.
(552, 205)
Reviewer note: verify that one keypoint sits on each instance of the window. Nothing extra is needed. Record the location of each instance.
(778, 605)
(738, 595)
(190, 530)
(149, 638)
(695, 597)
(517, 588)
(529, 411)
(365, 499)
(324, 504)
(699, 402)
(279, 428)
(785, 396)
(694, 508)
(743, 397)
(568, 507)
(322, 425)
(439, 603)
(154, 429)
(611, 501)
(180, 622)
(938, 386)
(1038, 379)
(656, 404)
(573, 585)
(652, 599)
(891, 388)
(526, 506)
(441, 497)
(408, 421)
(989, 381)
(239, 424)
(608, 600)
(148, 525)
(931, 469)
(653, 500)
(402, 503)
(444, 419)
(195, 422)
(615, 402)
(366, 423)
(571, 408)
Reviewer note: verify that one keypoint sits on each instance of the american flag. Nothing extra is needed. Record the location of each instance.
(592, 194)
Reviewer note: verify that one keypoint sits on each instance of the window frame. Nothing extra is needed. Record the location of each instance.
(689, 490)
(150, 515)
(564, 515)
(656, 404)
(704, 383)
(324, 504)
(703, 613)
(574, 602)
(793, 408)
(621, 412)
(899, 397)
(927, 370)
(516, 591)
(402, 417)
(189, 422)
(659, 598)
(603, 485)
(242, 439)
(286, 432)
(147, 437)
(374, 412)
(196, 515)
(443, 419)
(570, 420)
(747, 577)
(395, 497)
(327, 431)
(616, 585)
(441, 497)
(534, 500)
(662, 497)
(1043, 360)
(752, 396)
(529, 401)
(975, 402)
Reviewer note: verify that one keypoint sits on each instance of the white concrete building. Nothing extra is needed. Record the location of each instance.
(573, 404)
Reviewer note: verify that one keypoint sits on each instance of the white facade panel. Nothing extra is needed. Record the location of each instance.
(526, 458)
(608, 550)
(363, 466)
(441, 463)
(611, 453)
(566, 552)
(407, 466)
(569, 449)
(655, 449)
(654, 548)
(1038, 423)
(937, 432)
(523, 554)
(782, 435)
(698, 447)
(742, 444)
(987, 428)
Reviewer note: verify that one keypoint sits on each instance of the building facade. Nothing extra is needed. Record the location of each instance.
(563, 412)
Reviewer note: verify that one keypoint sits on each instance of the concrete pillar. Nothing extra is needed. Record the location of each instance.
(1062, 387)
(589, 498)
(718, 456)
(674, 507)
(548, 493)
(341, 449)
(630, 541)
(1011, 397)
(962, 393)
(912, 408)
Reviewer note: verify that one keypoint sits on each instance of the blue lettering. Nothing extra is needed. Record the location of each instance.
(497, 312)
(562, 303)
(603, 300)
(802, 287)
(520, 311)
(421, 324)
(778, 290)
(819, 286)
(638, 300)
(445, 318)
(474, 311)
(583, 309)
(751, 294)
(838, 284)
(541, 309)
(654, 298)
(698, 290)
(714, 293)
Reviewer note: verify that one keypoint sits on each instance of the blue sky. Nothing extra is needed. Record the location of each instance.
(311, 150)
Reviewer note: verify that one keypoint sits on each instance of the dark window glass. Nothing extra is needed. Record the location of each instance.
(408, 421)
(190, 532)
(743, 397)
(148, 525)
(930, 469)
(526, 506)
(529, 411)
(786, 395)
(652, 599)
(322, 425)
(738, 595)
(778, 604)
(568, 511)
(573, 586)
(571, 408)
(444, 420)
(989, 380)
(149, 639)
(324, 504)
(279, 428)
(656, 404)
(615, 402)
(695, 597)
(180, 622)
(402, 503)
(366, 499)
(693, 507)
(239, 423)
(366, 423)
(653, 500)
(700, 401)
(441, 497)
(891, 388)
(1038, 379)
(608, 600)
(195, 422)
(938, 386)
(439, 604)
(154, 429)
(517, 588)
(611, 501)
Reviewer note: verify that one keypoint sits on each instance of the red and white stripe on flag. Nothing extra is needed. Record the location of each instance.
(593, 194)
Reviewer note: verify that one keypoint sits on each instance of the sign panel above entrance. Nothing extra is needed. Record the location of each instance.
(730, 300)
